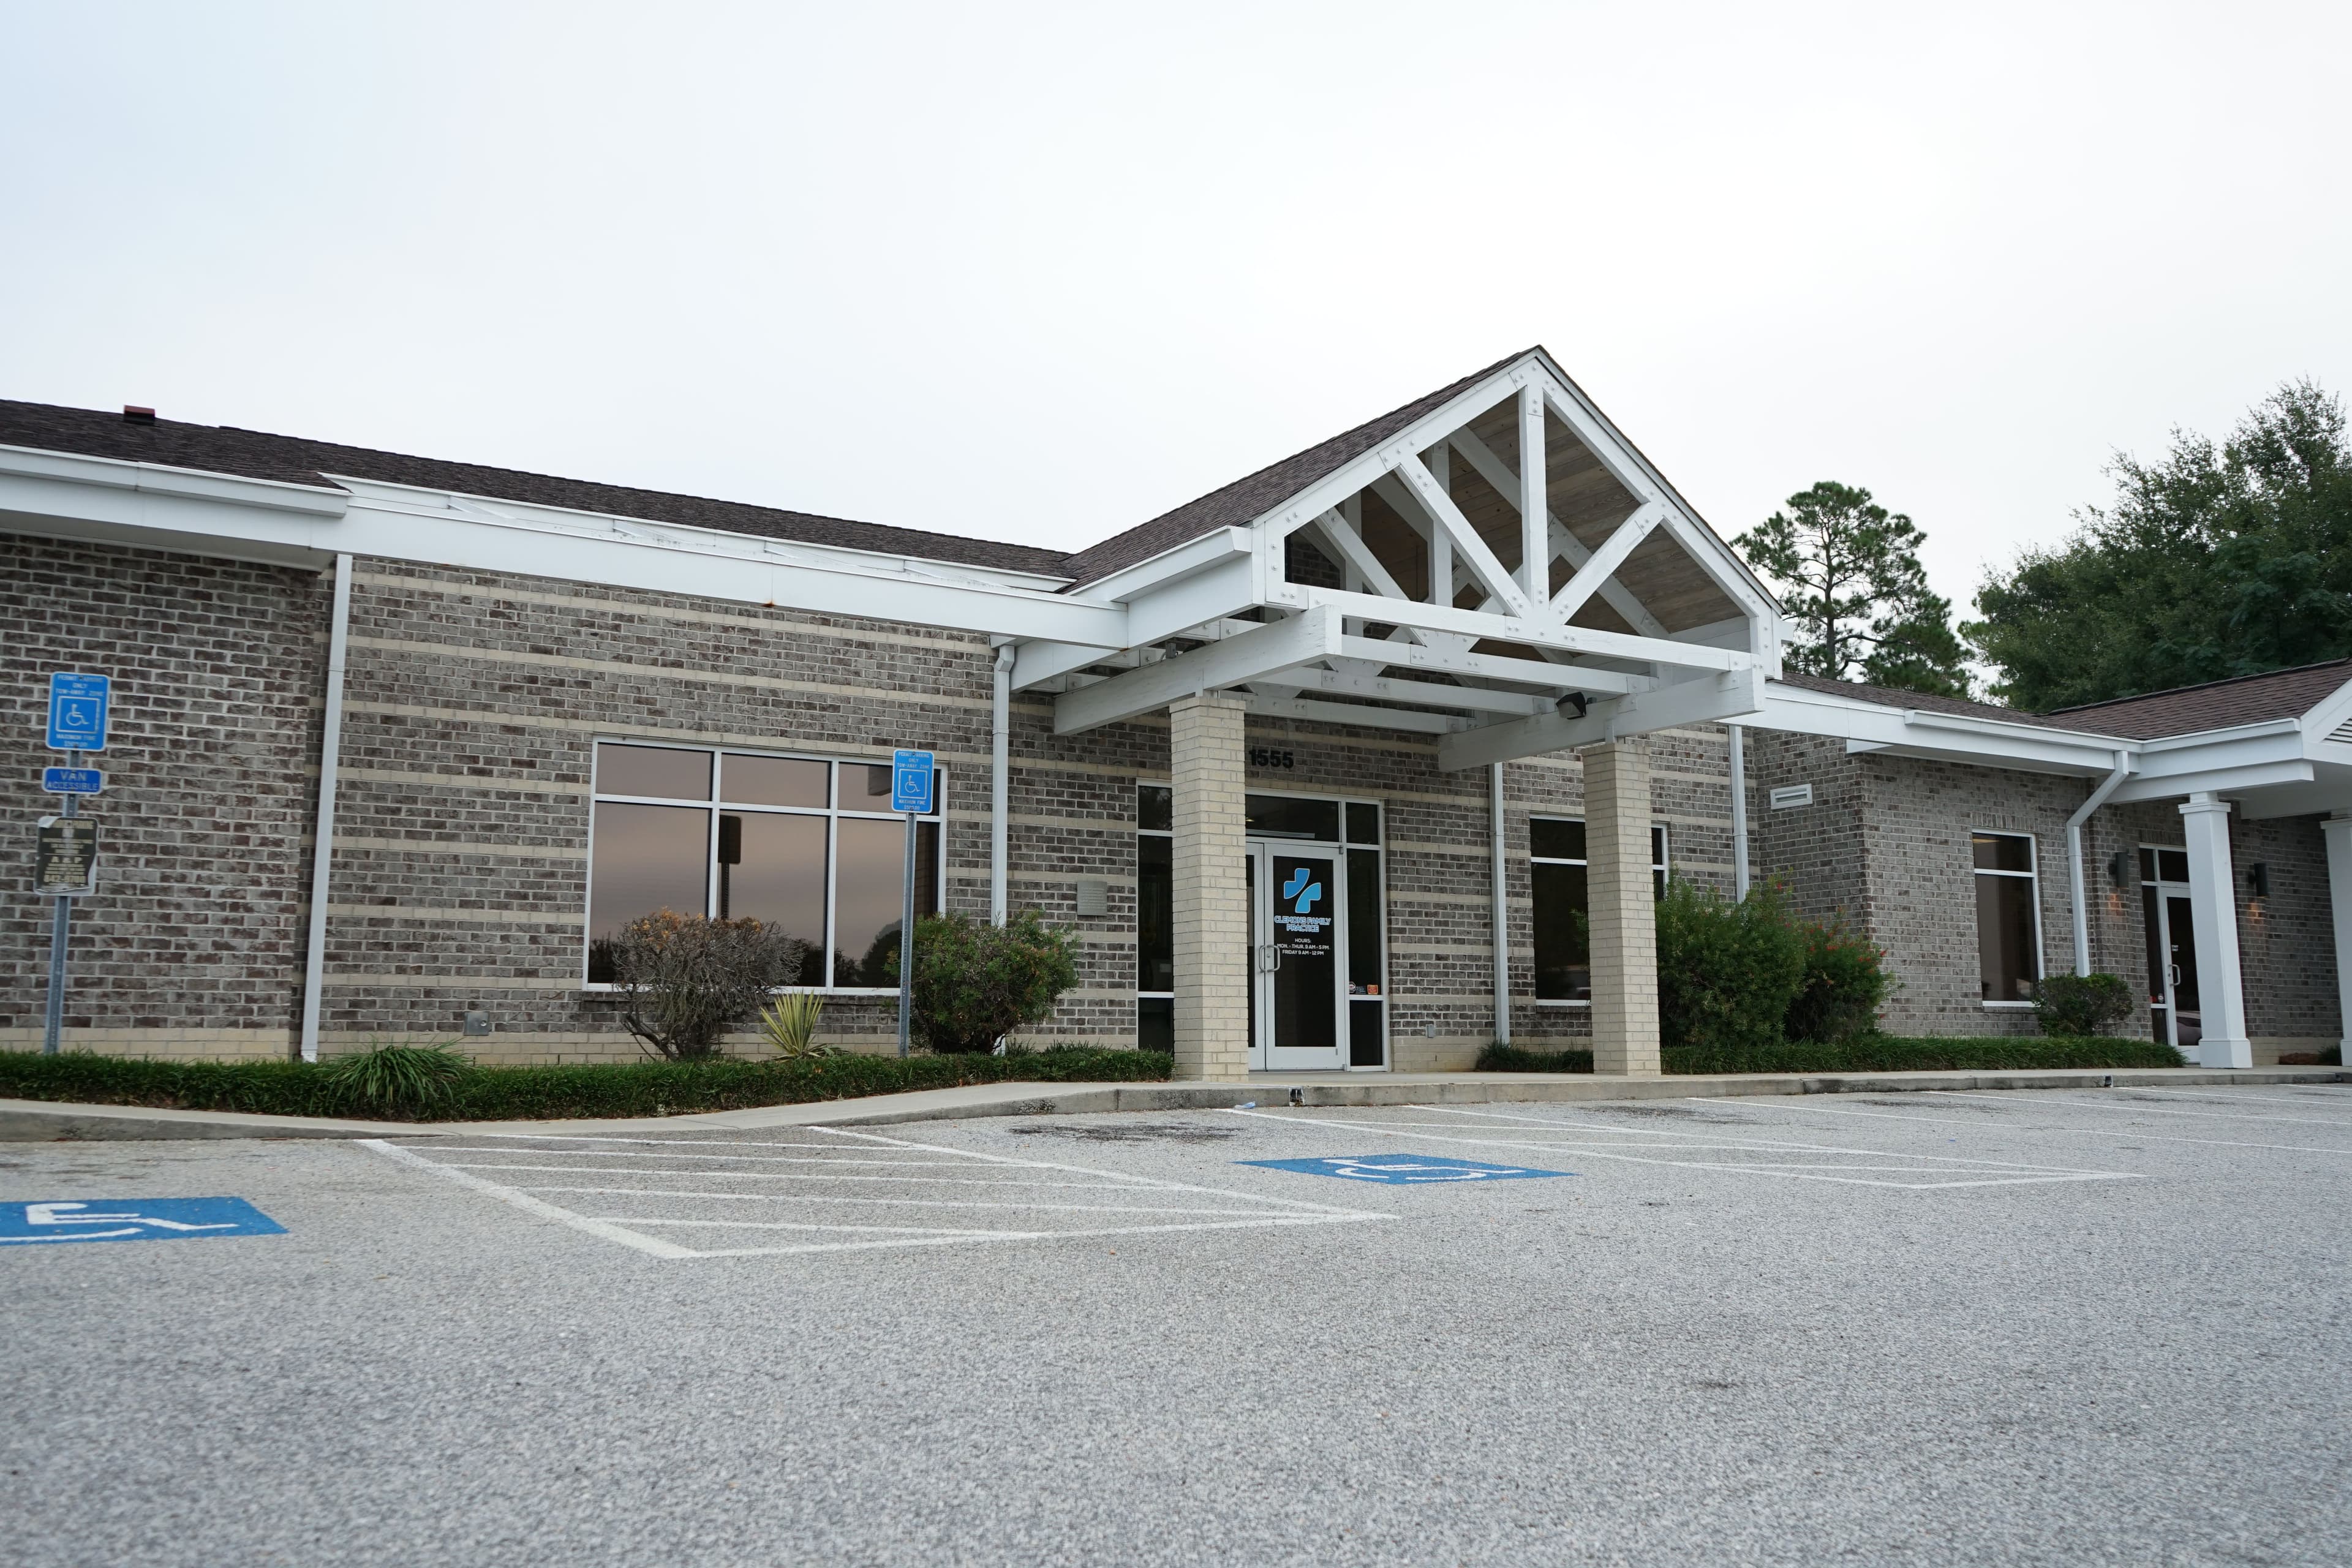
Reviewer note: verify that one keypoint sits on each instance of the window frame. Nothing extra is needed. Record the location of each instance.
(2032, 877)
(830, 814)
(1662, 838)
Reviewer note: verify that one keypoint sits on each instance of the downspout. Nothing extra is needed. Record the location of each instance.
(2074, 858)
(322, 840)
(1738, 812)
(1000, 750)
(1502, 908)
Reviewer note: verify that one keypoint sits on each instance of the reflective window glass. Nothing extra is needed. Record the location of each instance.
(666, 772)
(645, 859)
(2172, 865)
(1154, 808)
(868, 887)
(2007, 953)
(774, 781)
(1363, 823)
(1281, 816)
(1551, 838)
(1363, 922)
(1155, 899)
(1562, 937)
(772, 868)
(2003, 852)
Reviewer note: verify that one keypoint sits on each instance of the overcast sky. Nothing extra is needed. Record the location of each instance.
(1039, 273)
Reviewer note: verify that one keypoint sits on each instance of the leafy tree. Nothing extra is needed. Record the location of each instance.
(2216, 561)
(1848, 571)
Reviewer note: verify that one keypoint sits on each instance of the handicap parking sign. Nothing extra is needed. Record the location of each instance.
(61, 1220)
(910, 781)
(1401, 1170)
(78, 705)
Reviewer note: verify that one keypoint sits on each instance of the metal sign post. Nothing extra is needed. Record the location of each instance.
(79, 707)
(910, 791)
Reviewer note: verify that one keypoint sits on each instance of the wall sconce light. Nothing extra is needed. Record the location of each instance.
(2117, 863)
(2258, 880)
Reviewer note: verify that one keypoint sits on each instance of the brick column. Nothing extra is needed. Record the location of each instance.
(1624, 909)
(1212, 913)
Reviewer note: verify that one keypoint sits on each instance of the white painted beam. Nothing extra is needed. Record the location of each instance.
(1606, 560)
(1536, 634)
(1535, 542)
(1428, 693)
(1316, 713)
(1506, 482)
(1495, 666)
(1733, 694)
(1467, 543)
(1276, 645)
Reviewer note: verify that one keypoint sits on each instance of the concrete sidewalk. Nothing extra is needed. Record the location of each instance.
(33, 1120)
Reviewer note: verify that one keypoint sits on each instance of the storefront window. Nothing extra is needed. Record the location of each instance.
(1557, 865)
(804, 844)
(2009, 927)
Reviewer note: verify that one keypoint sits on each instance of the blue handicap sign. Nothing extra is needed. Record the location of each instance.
(1401, 1170)
(78, 711)
(63, 1220)
(910, 781)
(72, 781)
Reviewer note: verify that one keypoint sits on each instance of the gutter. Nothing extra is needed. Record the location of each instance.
(1739, 811)
(998, 752)
(322, 842)
(1502, 906)
(2107, 786)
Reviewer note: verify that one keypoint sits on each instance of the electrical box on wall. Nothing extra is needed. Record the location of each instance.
(1094, 899)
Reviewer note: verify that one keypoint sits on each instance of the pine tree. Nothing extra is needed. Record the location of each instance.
(1848, 573)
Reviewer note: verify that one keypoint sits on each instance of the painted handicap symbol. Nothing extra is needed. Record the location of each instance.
(1304, 890)
(140, 1219)
(1404, 1170)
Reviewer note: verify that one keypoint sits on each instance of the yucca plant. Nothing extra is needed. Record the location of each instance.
(398, 1078)
(790, 1021)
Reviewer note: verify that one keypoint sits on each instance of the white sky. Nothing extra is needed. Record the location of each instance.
(1041, 272)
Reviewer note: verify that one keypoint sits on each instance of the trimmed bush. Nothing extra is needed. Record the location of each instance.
(1500, 1057)
(976, 982)
(391, 1080)
(1845, 982)
(685, 980)
(1728, 970)
(547, 1093)
(2080, 1004)
(1869, 1053)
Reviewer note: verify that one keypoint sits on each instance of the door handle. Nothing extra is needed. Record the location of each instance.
(2172, 975)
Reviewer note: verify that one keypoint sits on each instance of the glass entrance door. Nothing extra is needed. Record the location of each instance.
(2174, 1013)
(1299, 992)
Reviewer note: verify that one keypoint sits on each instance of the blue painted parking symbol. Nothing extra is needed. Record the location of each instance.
(1404, 1170)
(59, 1220)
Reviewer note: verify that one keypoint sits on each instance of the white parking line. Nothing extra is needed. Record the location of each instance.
(1935, 1164)
(954, 1198)
(2067, 1132)
(2238, 1096)
(2130, 1107)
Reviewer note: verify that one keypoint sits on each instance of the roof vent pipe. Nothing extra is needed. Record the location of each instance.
(134, 414)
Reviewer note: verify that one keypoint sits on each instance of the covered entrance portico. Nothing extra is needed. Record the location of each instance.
(1492, 569)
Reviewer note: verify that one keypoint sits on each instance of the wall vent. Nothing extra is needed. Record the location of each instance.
(1789, 796)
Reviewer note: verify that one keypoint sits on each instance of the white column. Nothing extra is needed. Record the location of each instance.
(1738, 812)
(2213, 902)
(1624, 909)
(1211, 898)
(2337, 830)
(1500, 869)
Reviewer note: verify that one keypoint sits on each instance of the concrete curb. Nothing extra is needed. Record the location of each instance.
(32, 1121)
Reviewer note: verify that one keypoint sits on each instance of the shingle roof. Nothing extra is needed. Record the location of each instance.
(2216, 705)
(292, 459)
(2183, 711)
(1248, 497)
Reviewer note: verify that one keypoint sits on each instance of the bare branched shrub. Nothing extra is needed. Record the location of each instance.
(685, 980)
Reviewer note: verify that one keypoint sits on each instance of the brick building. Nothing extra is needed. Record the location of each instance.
(397, 740)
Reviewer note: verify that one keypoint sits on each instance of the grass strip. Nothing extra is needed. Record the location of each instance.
(549, 1093)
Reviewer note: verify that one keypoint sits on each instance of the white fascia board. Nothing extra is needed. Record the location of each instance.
(1170, 567)
(1970, 724)
(1710, 699)
(1255, 655)
(1485, 625)
(2219, 781)
(2008, 745)
(157, 480)
(2201, 739)
(2322, 718)
(1425, 693)
(209, 519)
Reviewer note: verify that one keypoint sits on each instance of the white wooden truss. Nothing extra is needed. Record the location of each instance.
(1532, 633)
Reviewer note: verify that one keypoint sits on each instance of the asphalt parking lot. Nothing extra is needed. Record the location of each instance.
(1970, 1328)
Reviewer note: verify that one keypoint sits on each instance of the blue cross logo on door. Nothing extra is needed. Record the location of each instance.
(1301, 888)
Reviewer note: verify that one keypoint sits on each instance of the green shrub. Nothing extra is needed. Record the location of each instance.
(1887, 1052)
(685, 979)
(539, 1093)
(2082, 1004)
(396, 1079)
(1500, 1057)
(1727, 968)
(976, 982)
(1845, 982)
(789, 1024)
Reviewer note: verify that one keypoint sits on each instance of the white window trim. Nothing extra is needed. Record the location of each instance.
(2032, 875)
(1664, 840)
(715, 804)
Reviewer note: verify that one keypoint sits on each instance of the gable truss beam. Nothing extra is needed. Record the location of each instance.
(1710, 699)
(1559, 541)
(1557, 677)
(1467, 546)
(1606, 560)
(1256, 655)
(1427, 693)
(1546, 634)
